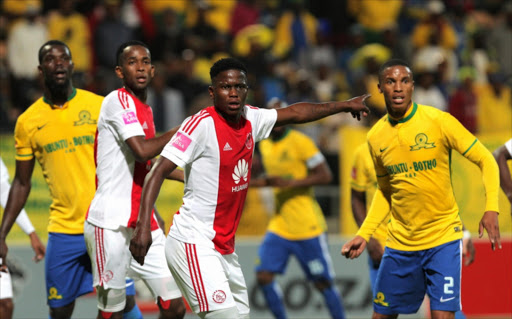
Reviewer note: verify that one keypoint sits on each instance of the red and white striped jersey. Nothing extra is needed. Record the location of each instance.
(119, 177)
(216, 157)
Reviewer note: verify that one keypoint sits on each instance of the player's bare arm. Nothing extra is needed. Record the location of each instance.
(304, 112)
(502, 156)
(141, 240)
(490, 223)
(144, 149)
(20, 189)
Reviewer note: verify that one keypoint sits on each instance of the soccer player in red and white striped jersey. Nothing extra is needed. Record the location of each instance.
(215, 148)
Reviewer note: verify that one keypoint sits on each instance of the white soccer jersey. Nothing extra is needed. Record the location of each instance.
(216, 157)
(508, 146)
(119, 177)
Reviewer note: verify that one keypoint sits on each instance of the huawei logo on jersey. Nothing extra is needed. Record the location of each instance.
(241, 172)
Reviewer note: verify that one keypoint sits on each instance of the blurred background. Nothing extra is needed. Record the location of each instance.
(460, 52)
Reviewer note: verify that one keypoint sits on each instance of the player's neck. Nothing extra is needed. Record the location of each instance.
(57, 96)
(141, 95)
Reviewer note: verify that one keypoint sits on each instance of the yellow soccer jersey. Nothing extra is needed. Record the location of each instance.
(364, 179)
(412, 161)
(62, 141)
(298, 215)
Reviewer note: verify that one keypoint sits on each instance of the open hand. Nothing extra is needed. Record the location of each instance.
(140, 243)
(491, 224)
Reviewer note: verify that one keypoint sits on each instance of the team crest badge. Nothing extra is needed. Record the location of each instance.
(219, 296)
(84, 118)
(421, 142)
(248, 141)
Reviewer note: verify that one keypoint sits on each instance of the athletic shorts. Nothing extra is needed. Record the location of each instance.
(312, 254)
(209, 280)
(5, 285)
(405, 276)
(67, 269)
(112, 261)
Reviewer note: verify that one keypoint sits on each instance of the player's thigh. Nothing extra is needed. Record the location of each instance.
(109, 253)
(274, 253)
(67, 269)
(155, 272)
(400, 285)
(314, 258)
(237, 283)
(442, 266)
(200, 273)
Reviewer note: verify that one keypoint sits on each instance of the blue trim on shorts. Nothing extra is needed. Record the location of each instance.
(67, 269)
(275, 251)
(405, 276)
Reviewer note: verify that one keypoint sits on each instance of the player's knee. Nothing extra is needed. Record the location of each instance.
(6, 307)
(172, 308)
(64, 312)
(264, 277)
(381, 316)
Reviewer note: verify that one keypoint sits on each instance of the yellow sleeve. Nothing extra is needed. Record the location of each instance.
(309, 148)
(359, 178)
(22, 141)
(375, 216)
(460, 139)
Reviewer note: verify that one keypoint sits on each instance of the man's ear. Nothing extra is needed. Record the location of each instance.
(378, 85)
(119, 72)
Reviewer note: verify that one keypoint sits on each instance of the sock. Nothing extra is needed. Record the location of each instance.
(459, 315)
(105, 315)
(333, 301)
(133, 314)
(274, 298)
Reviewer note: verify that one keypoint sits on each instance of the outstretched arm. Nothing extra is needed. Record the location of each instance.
(308, 112)
(502, 155)
(141, 239)
(20, 189)
(145, 149)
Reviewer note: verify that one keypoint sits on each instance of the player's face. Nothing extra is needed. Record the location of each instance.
(228, 92)
(136, 69)
(56, 66)
(397, 85)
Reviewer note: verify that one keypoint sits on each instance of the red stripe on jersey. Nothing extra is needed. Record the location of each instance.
(192, 119)
(123, 98)
(194, 122)
(98, 235)
(140, 170)
(193, 268)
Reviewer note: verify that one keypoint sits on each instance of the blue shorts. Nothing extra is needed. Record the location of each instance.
(405, 276)
(312, 254)
(67, 269)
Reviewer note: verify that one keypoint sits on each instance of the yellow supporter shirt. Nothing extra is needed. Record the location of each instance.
(412, 158)
(364, 179)
(298, 215)
(62, 141)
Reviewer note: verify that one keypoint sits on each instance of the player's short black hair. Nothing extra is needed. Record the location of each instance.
(51, 42)
(120, 49)
(392, 62)
(226, 64)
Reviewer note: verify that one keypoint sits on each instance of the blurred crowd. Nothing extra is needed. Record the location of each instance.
(296, 50)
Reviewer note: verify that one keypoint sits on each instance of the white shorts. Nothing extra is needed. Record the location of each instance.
(209, 281)
(5, 285)
(112, 261)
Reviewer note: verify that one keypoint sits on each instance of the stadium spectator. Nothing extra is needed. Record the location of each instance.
(499, 40)
(245, 13)
(375, 16)
(124, 147)
(427, 92)
(411, 150)
(215, 148)
(293, 165)
(494, 98)
(435, 23)
(463, 103)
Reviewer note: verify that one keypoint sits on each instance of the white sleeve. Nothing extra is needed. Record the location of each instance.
(187, 144)
(315, 160)
(262, 120)
(23, 221)
(508, 146)
(119, 111)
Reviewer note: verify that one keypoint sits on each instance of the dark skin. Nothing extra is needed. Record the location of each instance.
(397, 85)
(136, 72)
(502, 156)
(228, 93)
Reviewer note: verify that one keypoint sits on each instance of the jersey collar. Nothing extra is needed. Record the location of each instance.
(47, 100)
(408, 115)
